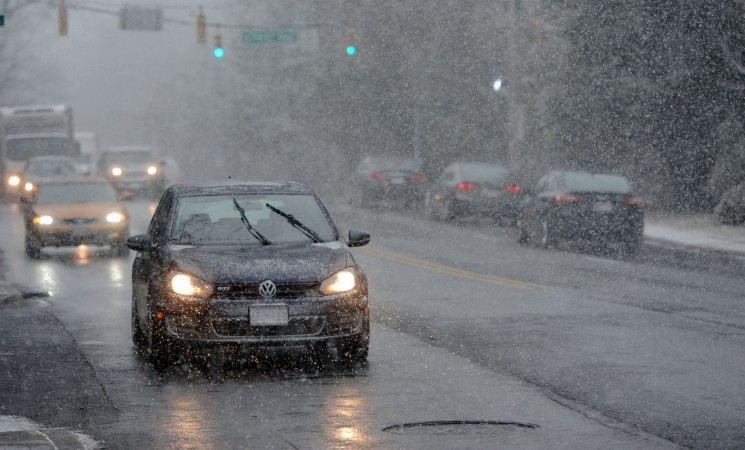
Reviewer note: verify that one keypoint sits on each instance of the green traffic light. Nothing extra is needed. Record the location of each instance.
(351, 50)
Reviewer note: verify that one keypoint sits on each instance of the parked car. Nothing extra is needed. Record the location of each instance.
(40, 168)
(730, 210)
(388, 181)
(596, 208)
(246, 265)
(68, 212)
(134, 169)
(471, 188)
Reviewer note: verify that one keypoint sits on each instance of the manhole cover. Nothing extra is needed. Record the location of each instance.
(459, 427)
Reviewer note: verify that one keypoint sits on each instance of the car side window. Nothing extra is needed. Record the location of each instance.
(159, 222)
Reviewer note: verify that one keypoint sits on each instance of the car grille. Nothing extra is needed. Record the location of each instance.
(78, 220)
(251, 290)
(298, 326)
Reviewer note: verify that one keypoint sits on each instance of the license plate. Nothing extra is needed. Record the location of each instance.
(397, 180)
(602, 207)
(268, 315)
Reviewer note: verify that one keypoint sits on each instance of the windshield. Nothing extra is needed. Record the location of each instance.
(586, 182)
(50, 168)
(216, 220)
(129, 156)
(75, 193)
(23, 149)
(483, 172)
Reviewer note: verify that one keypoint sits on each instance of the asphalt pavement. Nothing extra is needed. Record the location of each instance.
(46, 348)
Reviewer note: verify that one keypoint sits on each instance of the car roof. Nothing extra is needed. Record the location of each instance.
(236, 187)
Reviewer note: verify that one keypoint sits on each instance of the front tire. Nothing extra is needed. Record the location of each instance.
(354, 350)
(32, 246)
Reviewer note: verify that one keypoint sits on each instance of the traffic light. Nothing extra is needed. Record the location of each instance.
(349, 41)
(62, 18)
(218, 52)
(201, 27)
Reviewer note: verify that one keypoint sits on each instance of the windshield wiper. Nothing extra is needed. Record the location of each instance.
(297, 224)
(254, 232)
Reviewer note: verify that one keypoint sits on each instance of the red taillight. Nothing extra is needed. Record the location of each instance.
(512, 188)
(566, 199)
(377, 176)
(634, 202)
(417, 178)
(464, 186)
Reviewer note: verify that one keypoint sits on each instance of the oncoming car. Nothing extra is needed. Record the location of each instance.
(133, 169)
(246, 265)
(69, 212)
(42, 168)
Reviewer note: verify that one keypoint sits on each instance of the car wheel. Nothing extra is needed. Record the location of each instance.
(522, 235)
(353, 350)
(32, 246)
(157, 348)
(138, 336)
(547, 234)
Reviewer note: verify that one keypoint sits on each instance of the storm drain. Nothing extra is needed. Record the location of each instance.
(459, 427)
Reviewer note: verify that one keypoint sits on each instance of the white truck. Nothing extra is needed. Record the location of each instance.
(89, 149)
(29, 131)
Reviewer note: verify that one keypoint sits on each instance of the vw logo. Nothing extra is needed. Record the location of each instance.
(267, 289)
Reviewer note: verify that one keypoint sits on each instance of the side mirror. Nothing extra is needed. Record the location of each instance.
(358, 238)
(140, 243)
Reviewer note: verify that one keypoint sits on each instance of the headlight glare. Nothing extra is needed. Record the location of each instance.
(115, 217)
(116, 171)
(14, 180)
(152, 170)
(29, 186)
(342, 281)
(189, 286)
(44, 220)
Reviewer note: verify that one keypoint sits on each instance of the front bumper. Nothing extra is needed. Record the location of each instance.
(67, 235)
(311, 320)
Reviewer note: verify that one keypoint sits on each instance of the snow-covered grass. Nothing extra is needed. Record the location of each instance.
(695, 230)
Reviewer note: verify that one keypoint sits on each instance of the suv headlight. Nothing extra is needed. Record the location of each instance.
(344, 280)
(152, 170)
(115, 217)
(188, 285)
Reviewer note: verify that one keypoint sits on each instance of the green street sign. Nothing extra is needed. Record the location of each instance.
(2, 21)
(270, 37)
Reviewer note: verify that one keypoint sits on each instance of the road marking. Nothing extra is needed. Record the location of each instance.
(450, 270)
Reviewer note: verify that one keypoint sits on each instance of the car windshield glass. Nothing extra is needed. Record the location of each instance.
(393, 164)
(23, 149)
(129, 156)
(48, 168)
(483, 172)
(586, 182)
(214, 219)
(75, 193)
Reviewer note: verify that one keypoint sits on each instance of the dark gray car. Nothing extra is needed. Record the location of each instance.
(584, 207)
(247, 265)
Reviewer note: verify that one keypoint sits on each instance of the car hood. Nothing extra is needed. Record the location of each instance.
(72, 210)
(279, 263)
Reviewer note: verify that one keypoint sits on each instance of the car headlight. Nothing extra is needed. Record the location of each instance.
(116, 171)
(152, 170)
(342, 281)
(44, 220)
(14, 180)
(29, 186)
(115, 217)
(190, 286)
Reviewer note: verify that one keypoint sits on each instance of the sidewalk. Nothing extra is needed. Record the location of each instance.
(22, 433)
(694, 230)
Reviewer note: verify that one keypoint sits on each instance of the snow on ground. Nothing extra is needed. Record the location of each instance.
(694, 231)
(16, 423)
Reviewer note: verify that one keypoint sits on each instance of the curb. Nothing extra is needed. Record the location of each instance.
(670, 243)
(51, 438)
